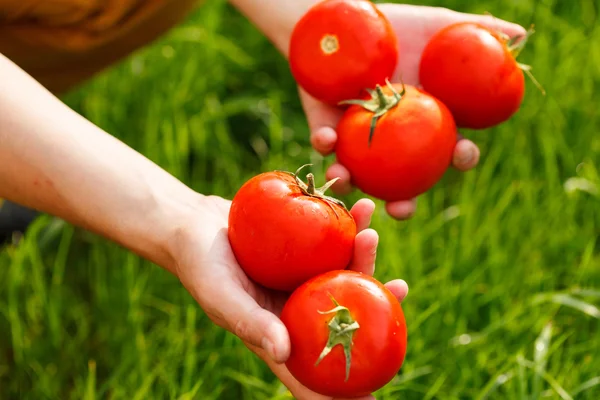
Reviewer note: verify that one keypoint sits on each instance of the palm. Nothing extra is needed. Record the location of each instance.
(413, 34)
(268, 300)
(210, 272)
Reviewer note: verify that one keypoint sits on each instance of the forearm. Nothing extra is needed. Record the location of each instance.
(275, 18)
(54, 160)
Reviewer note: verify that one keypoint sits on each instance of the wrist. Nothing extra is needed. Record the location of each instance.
(163, 228)
(274, 18)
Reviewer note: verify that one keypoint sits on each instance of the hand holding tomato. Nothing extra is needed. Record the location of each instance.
(208, 269)
(284, 231)
(413, 26)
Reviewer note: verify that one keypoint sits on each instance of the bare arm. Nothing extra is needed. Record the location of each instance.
(54, 160)
(274, 18)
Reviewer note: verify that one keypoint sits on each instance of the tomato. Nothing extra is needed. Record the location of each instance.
(283, 231)
(474, 71)
(408, 150)
(348, 334)
(339, 48)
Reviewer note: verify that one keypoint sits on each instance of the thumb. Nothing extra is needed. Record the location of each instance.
(253, 324)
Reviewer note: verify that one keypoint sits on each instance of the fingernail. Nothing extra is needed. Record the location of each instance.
(269, 347)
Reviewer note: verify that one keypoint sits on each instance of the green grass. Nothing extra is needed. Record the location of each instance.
(503, 262)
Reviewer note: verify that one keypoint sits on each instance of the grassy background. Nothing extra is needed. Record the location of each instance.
(503, 262)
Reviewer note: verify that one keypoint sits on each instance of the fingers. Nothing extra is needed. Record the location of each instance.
(343, 185)
(283, 374)
(298, 390)
(398, 287)
(365, 243)
(489, 21)
(323, 139)
(322, 120)
(365, 252)
(252, 323)
(466, 155)
(402, 210)
(362, 212)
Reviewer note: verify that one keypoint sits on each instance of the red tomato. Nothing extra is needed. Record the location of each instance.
(411, 145)
(348, 334)
(283, 232)
(339, 48)
(473, 70)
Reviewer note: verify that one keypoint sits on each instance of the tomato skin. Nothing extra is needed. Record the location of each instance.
(282, 237)
(379, 344)
(471, 70)
(367, 51)
(411, 148)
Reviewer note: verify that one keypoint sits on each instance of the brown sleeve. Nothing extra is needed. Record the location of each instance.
(63, 42)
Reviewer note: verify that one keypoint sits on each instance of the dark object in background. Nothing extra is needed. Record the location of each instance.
(14, 218)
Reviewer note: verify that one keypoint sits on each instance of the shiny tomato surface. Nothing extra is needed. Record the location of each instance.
(339, 48)
(281, 236)
(410, 149)
(377, 346)
(471, 69)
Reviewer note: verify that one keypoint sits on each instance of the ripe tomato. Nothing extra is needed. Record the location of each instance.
(283, 232)
(348, 334)
(339, 48)
(410, 148)
(474, 71)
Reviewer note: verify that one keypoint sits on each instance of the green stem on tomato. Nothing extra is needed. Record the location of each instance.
(515, 46)
(311, 190)
(341, 330)
(379, 103)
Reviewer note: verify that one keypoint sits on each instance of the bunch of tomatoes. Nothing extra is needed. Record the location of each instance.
(347, 330)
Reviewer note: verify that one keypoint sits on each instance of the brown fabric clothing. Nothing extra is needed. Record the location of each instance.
(64, 42)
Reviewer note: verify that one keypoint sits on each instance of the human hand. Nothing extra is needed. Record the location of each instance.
(414, 26)
(208, 269)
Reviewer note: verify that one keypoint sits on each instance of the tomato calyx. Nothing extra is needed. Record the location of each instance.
(379, 103)
(309, 188)
(515, 45)
(341, 330)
